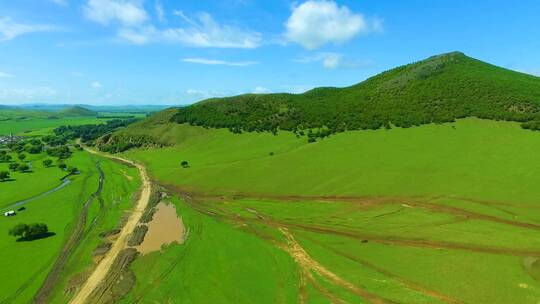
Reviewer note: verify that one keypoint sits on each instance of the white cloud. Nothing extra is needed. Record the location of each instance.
(96, 85)
(135, 26)
(332, 61)
(127, 13)
(297, 89)
(328, 60)
(204, 31)
(142, 35)
(315, 23)
(6, 75)
(77, 74)
(61, 2)
(160, 12)
(207, 61)
(205, 94)
(261, 90)
(10, 29)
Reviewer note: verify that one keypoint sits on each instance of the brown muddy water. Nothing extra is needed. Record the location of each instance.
(165, 228)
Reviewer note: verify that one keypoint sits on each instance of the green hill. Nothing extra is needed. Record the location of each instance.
(333, 220)
(78, 111)
(439, 89)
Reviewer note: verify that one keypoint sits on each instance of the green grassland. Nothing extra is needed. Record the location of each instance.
(432, 214)
(35, 123)
(471, 158)
(26, 264)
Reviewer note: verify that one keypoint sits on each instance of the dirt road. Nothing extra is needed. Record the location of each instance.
(104, 265)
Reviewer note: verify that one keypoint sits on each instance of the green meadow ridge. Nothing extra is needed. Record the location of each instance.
(436, 90)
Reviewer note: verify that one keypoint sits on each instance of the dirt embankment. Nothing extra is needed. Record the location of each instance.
(100, 273)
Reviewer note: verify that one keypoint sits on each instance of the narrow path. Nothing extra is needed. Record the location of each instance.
(101, 270)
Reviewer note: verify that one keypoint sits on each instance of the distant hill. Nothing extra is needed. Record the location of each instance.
(439, 89)
(78, 111)
(133, 109)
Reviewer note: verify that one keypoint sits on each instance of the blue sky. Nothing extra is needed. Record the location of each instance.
(178, 52)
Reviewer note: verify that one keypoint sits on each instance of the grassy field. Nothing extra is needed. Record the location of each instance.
(472, 158)
(432, 214)
(26, 264)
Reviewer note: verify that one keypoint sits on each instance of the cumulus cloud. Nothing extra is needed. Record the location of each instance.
(96, 85)
(315, 23)
(10, 29)
(6, 75)
(207, 61)
(105, 12)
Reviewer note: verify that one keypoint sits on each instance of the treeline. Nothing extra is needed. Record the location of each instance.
(89, 133)
(437, 90)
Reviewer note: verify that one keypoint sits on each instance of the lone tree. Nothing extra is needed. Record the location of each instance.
(4, 175)
(62, 165)
(73, 170)
(14, 166)
(47, 163)
(29, 232)
(21, 156)
(184, 164)
(24, 168)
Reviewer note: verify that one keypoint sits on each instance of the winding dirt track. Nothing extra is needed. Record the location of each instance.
(99, 273)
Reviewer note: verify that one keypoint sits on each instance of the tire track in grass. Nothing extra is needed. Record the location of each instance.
(382, 239)
(308, 264)
(409, 284)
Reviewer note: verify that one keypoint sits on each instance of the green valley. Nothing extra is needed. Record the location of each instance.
(310, 198)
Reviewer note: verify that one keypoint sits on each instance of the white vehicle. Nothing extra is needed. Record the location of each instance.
(10, 213)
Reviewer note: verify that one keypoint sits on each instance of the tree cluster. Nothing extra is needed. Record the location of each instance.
(89, 133)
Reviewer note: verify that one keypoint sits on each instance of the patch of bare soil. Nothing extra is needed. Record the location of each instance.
(165, 228)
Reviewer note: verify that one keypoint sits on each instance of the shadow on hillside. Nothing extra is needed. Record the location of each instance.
(36, 237)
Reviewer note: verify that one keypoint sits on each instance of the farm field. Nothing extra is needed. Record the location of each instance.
(430, 214)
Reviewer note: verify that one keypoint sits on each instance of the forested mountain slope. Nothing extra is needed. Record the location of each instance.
(439, 89)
